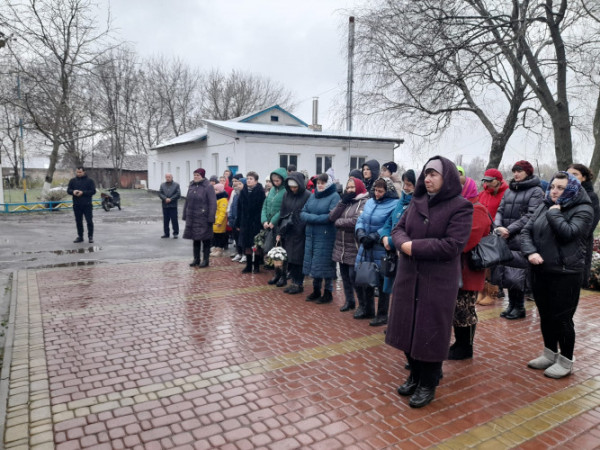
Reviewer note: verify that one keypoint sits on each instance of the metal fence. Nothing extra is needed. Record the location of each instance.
(41, 206)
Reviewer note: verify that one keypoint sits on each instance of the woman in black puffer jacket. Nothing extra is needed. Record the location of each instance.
(586, 177)
(518, 204)
(555, 243)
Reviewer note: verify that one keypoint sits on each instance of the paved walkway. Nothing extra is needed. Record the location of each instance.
(155, 354)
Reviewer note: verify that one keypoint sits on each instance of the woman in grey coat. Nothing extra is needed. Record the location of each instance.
(199, 216)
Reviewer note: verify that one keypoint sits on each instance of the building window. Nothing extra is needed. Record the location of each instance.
(162, 170)
(177, 174)
(154, 169)
(188, 173)
(356, 162)
(286, 160)
(215, 157)
(274, 118)
(169, 167)
(323, 163)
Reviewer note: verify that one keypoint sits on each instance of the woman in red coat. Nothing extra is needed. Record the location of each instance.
(431, 236)
(465, 316)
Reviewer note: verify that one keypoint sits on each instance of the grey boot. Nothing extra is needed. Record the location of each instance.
(561, 368)
(543, 362)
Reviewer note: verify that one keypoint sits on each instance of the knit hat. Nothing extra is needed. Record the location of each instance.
(243, 181)
(523, 165)
(410, 176)
(492, 174)
(238, 176)
(356, 173)
(436, 165)
(359, 186)
(219, 188)
(201, 171)
(214, 178)
(391, 166)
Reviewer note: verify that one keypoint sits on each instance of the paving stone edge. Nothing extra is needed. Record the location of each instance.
(8, 352)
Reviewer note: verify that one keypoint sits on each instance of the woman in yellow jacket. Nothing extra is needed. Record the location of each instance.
(220, 225)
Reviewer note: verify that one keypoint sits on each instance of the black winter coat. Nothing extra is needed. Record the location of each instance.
(560, 236)
(199, 211)
(589, 188)
(248, 214)
(84, 184)
(293, 234)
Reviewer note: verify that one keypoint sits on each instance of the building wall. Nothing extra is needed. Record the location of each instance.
(260, 153)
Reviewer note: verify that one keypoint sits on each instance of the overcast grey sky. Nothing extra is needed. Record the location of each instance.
(300, 44)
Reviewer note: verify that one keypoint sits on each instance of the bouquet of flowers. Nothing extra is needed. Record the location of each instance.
(276, 256)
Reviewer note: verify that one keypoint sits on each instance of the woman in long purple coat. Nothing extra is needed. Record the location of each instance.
(199, 216)
(431, 236)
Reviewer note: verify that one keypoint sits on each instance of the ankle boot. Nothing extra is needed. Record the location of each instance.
(316, 295)
(382, 310)
(363, 311)
(463, 345)
(326, 298)
(248, 267)
(544, 361)
(348, 306)
(256, 264)
(276, 277)
(196, 261)
(283, 280)
(561, 368)
(508, 309)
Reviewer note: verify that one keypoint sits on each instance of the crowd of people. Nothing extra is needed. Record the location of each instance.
(422, 225)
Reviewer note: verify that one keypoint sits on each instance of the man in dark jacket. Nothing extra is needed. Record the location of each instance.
(169, 193)
(82, 189)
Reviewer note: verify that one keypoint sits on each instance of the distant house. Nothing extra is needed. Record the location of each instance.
(263, 141)
(134, 172)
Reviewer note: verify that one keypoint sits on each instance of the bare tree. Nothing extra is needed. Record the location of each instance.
(117, 83)
(420, 70)
(236, 94)
(58, 43)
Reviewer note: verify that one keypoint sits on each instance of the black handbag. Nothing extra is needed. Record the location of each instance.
(388, 265)
(367, 273)
(491, 251)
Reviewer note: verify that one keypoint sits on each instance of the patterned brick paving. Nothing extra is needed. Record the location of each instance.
(159, 355)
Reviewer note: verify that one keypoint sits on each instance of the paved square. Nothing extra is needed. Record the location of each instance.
(159, 355)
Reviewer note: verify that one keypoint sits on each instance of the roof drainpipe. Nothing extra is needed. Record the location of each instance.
(350, 74)
(315, 116)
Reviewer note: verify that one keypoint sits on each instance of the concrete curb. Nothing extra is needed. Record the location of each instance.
(8, 353)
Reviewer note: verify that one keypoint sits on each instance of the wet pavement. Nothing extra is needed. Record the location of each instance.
(150, 353)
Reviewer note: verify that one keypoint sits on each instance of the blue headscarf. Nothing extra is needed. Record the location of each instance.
(571, 190)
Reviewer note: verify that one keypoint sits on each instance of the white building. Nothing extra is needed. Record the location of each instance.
(262, 142)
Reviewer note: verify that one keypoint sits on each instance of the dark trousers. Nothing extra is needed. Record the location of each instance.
(557, 297)
(82, 211)
(220, 240)
(425, 373)
(170, 216)
(347, 272)
(296, 273)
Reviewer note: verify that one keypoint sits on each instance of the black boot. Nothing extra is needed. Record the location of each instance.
(517, 298)
(508, 309)
(276, 277)
(316, 295)
(348, 306)
(382, 310)
(327, 298)
(248, 267)
(205, 254)
(283, 280)
(196, 261)
(429, 377)
(411, 383)
(257, 263)
(363, 311)
(463, 344)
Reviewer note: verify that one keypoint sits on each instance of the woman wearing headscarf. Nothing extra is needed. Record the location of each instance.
(522, 198)
(431, 236)
(555, 243)
(220, 225)
(368, 233)
(585, 177)
(370, 171)
(465, 315)
(389, 170)
(320, 239)
(408, 187)
(248, 223)
(344, 217)
(291, 228)
(199, 213)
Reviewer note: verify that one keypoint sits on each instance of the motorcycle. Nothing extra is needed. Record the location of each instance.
(111, 200)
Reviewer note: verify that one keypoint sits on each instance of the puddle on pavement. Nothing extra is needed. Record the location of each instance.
(64, 252)
(70, 264)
